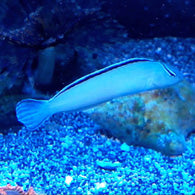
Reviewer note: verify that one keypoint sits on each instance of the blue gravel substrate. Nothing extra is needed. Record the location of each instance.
(69, 147)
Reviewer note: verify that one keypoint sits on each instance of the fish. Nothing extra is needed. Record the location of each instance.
(127, 77)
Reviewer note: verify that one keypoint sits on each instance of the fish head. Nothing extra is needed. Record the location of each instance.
(167, 75)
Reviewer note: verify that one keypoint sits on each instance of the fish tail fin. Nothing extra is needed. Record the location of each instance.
(32, 112)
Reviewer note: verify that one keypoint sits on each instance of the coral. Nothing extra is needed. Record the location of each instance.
(15, 190)
(159, 119)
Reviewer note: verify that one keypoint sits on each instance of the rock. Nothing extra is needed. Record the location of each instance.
(100, 186)
(125, 147)
(68, 180)
(108, 165)
(159, 119)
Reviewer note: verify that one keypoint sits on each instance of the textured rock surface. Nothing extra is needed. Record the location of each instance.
(158, 119)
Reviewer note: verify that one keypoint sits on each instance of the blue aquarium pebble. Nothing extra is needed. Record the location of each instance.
(91, 168)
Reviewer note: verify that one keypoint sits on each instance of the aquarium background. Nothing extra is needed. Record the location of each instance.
(46, 45)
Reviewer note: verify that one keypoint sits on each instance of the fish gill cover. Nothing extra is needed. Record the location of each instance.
(46, 45)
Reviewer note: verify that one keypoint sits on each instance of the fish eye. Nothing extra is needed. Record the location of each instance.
(170, 72)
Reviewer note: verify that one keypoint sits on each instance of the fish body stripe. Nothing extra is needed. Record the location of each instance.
(101, 71)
